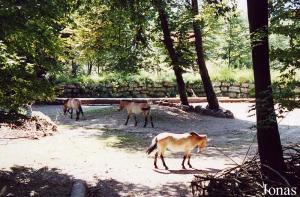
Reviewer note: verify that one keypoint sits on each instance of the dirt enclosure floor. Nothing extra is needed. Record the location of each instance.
(111, 157)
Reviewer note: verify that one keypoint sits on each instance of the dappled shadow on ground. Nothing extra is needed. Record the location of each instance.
(22, 181)
(103, 131)
(187, 171)
(166, 119)
(124, 140)
(113, 188)
(230, 137)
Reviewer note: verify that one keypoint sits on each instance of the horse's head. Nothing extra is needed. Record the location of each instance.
(202, 142)
(65, 107)
(122, 105)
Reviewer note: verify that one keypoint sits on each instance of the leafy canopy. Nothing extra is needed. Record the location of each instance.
(30, 48)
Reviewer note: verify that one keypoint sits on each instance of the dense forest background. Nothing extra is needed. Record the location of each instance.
(46, 43)
(52, 42)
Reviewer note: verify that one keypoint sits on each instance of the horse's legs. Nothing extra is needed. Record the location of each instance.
(80, 110)
(146, 120)
(189, 157)
(128, 116)
(155, 159)
(184, 157)
(163, 161)
(135, 121)
(77, 114)
(151, 121)
(71, 113)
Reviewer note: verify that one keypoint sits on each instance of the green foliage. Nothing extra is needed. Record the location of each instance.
(63, 41)
(286, 94)
(118, 78)
(125, 36)
(180, 24)
(30, 48)
(112, 35)
(236, 46)
(18, 82)
(226, 35)
(285, 50)
(217, 73)
(229, 74)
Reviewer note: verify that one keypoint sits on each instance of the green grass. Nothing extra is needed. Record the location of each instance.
(227, 74)
(217, 74)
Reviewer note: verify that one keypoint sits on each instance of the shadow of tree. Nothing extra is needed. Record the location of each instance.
(187, 171)
(22, 181)
(124, 140)
(231, 136)
(114, 188)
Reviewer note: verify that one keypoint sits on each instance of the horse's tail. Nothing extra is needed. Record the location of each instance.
(152, 147)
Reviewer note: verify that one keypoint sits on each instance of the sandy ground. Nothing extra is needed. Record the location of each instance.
(103, 151)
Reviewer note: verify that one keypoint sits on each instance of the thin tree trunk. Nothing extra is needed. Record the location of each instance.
(229, 44)
(208, 88)
(74, 68)
(268, 138)
(172, 53)
(90, 64)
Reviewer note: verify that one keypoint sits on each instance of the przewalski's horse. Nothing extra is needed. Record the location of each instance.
(71, 104)
(135, 108)
(177, 142)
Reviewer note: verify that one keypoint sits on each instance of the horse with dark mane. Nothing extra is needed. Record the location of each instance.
(71, 104)
(185, 143)
(135, 108)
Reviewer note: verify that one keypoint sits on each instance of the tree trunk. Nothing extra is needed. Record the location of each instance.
(89, 67)
(269, 145)
(208, 88)
(229, 44)
(74, 68)
(173, 55)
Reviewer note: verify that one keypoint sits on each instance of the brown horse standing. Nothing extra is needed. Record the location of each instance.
(71, 104)
(135, 108)
(177, 142)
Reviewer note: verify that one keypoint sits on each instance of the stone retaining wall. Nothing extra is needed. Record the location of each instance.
(151, 90)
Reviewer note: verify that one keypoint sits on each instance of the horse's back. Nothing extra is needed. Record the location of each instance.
(74, 103)
(138, 108)
(175, 136)
(175, 142)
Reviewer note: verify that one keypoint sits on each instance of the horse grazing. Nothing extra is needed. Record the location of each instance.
(135, 108)
(185, 142)
(71, 104)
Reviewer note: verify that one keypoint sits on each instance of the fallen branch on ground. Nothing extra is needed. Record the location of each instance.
(247, 179)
